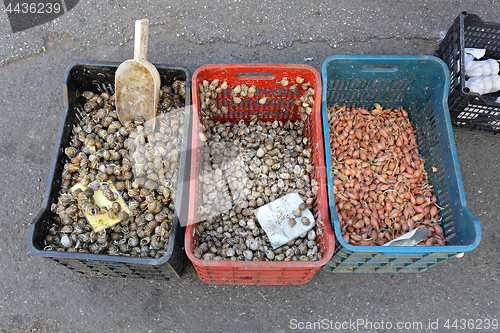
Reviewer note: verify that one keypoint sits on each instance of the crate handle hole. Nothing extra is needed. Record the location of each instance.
(379, 68)
(255, 76)
(245, 278)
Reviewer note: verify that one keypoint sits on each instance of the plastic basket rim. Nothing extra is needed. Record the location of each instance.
(116, 64)
(253, 65)
(389, 57)
(328, 157)
(463, 14)
(266, 265)
(103, 258)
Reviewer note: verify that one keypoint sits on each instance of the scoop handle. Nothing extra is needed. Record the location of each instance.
(141, 39)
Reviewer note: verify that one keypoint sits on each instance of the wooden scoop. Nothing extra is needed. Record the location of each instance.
(137, 82)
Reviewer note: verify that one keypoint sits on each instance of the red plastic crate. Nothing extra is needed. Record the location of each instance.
(280, 106)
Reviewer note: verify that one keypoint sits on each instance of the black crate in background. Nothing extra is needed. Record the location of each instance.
(100, 76)
(471, 111)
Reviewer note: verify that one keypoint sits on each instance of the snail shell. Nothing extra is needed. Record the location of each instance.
(66, 241)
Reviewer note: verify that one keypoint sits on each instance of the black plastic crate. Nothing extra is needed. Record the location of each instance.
(470, 111)
(99, 76)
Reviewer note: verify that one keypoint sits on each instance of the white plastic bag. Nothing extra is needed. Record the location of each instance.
(475, 68)
(484, 84)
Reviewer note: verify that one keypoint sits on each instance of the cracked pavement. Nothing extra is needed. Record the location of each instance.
(39, 295)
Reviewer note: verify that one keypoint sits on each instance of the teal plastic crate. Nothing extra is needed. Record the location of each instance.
(420, 85)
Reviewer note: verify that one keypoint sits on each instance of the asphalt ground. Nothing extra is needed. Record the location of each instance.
(39, 295)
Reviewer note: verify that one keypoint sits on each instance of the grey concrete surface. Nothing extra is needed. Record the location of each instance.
(38, 295)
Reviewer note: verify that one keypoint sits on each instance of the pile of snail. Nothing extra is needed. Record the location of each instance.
(143, 167)
(245, 166)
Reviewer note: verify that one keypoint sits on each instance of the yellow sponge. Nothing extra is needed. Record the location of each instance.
(103, 221)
